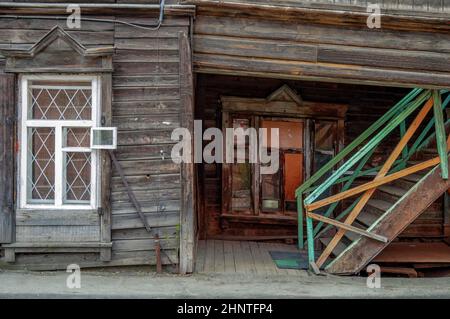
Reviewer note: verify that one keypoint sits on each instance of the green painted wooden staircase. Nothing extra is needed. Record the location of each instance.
(368, 216)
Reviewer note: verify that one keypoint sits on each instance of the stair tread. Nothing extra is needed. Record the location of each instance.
(353, 236)
(340, 247)
(367, 218)
(393, 190)
(379, 204)
(413, 177)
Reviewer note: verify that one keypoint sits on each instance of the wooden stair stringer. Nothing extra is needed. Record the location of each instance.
(401, 214)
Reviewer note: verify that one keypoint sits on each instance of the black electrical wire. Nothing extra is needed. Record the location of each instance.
(134, 25)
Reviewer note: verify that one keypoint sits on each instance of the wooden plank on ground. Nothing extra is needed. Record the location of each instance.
(269, 264)
(238, 257)
(200, 260)
(219, 259)
(258, 258)
(209, 259)
(230, 266)
(248, 259)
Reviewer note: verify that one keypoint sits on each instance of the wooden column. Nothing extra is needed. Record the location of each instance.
(105, 218)
(7, 115)
(187, 235)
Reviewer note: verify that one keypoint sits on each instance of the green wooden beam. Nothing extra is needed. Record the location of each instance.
(441, 138)
(310, 238)
(421, 141)
(349, 148)
(301, 242)
(391, 125)
(346, 186)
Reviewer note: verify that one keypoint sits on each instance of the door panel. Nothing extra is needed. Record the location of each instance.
(293, 178)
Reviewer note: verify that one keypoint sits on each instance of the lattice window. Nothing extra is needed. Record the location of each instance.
(58, 167)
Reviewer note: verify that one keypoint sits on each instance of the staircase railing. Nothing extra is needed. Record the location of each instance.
(417, 103)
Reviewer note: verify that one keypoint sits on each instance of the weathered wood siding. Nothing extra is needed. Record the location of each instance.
(236, 44)
(146, 107)
(409, 5)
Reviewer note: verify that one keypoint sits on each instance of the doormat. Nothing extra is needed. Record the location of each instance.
(290, 260)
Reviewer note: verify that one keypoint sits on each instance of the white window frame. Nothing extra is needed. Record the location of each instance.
(58, 125)
(113, 146)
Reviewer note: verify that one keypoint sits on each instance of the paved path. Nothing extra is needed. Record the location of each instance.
(14, 284)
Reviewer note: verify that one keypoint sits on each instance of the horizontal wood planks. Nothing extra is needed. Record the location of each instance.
(146, 108)
(295, 50)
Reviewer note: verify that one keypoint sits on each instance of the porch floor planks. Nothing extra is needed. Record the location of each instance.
(219, 256)
(230, 265)
(209, 256)
(244, 257)
(248, 263)
(200, 259)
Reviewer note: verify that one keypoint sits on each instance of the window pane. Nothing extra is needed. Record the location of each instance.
(103, 137)
(243, 124)
(41, 164)
(270, 191)
(290, 133)
(78, 176)
(324, 140)
(76, 137)
(324, 136)
(60, 100)
(241, 187)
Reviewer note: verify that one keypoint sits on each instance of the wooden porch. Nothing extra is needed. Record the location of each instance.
(246, 257)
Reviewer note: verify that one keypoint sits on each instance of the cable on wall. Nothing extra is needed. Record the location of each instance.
(134, 25)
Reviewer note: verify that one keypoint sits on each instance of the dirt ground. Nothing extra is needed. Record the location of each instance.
(143, 284)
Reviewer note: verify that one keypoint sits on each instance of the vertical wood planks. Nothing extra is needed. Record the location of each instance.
(6, 157)
(105, 219)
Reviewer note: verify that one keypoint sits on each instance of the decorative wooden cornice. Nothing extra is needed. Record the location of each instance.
(58, 51)
(54, 34)
(283, 102)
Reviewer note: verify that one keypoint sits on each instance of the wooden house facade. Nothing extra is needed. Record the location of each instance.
(313, 69)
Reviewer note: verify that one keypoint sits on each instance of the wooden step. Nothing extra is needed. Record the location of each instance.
(340, 247)
(403, 183)
(389, 193)
(367, 218)
(414, 177)
(377, 206)
(392, 190)
(392, 223)
(351, 236)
